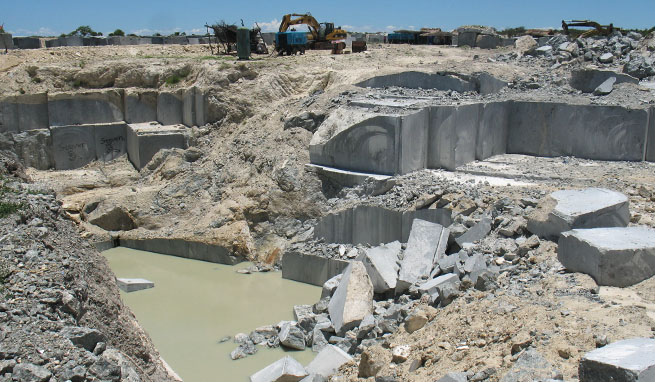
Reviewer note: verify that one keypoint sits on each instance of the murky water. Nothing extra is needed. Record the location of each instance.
(194, 304)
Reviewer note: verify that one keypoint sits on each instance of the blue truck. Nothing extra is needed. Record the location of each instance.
(290, 42)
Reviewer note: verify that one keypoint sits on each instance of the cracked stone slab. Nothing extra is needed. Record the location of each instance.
(631, 360)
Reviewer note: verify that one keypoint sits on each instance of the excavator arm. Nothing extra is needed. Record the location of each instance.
(602, 30)
(296, 19)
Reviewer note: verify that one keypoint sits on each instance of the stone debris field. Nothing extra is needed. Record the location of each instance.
(481, 211)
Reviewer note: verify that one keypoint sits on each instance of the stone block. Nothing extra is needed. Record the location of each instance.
(375, 225)
(27, 43)
(73, 146)
(441, 216)
(144, 140)
(606, 87)
(24, 112)
(650, 151)
(6, 41)
(427, 243)
(34, 148)
(286, 369)
(95, 41)
(492, 130)
(132, 285)
(420, 80)
(382, 266)
(157, 40)
(467, 39)
(140, 105)
(413, 142)
(189, 107)
(328, 361)
(432, 287)
(111, 141)
(584, 131)
(344, 178)
(310, 269)
(487, 84)
(588, 208)
(631, 360)
(71, 41)
(453, 135)
(86, 108)
(52, 43)
(352, 300)
(200, 107)
(170, 108)
(487, 41)
(184, 248)
(177, 40)
(587, 80)
(617, 256)
(476, 233)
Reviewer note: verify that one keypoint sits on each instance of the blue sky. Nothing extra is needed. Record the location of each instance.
(52, 17)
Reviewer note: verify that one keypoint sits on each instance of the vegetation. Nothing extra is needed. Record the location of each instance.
(513, 32)
(84, 31)
(178, 34)
(2, 28)
(174, 79)
(6, 207)
(117, 32)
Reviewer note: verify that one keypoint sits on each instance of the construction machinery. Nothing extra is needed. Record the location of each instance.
(321, 35)
(598, 30)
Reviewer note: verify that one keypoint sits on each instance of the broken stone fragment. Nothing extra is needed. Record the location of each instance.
(531, 366)
(112, 218)
(369, 365)
(456, 377)
(568, 209)
(353, 298)
(400, 354)
(382, 266)
(617, 256)
(291, 336)
(286, 369)
(330, 286)
(328, 361)
(606, 87)
(433, 287)
(83, 337)
(631, 360)
(476, 233)
(426, 245)
(416, 321)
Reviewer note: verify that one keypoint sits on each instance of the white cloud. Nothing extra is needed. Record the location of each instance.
(391, 27)
(30, 32)
(271, 26)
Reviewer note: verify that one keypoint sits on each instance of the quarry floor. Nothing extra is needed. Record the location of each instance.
(250, 187)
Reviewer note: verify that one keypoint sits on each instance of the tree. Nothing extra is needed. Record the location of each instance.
(84, 31)
(117, 32)
(2, 28)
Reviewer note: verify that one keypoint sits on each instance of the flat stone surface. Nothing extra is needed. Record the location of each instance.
(617, 256)
(286, 369)
(352, 300)
(131, 285)
(427, 243)
(588, 208)
(328, 361)
(382, 266)
(431, 287)
(606, 87)
(629, 360)
(587, 80)
(475, 233)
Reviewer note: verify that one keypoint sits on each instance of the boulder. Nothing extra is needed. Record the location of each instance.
(382, 266)
(426, 245)
(291, 336)
(587, 80)
(112, 218)
(588, 208)
(305, 317)
(475, 233)
(629, 360)
(328, 361)
(28, 372)
(525, 44)
(286, 369)
(616, 256)
(606, 58)
(83, 337)
(353, 298)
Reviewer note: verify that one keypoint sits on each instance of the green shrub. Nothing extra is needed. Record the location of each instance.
(117, 32)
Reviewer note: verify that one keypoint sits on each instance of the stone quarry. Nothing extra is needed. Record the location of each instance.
(475, 212)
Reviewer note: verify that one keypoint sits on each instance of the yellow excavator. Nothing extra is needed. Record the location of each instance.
(322, 35)
(598, 30)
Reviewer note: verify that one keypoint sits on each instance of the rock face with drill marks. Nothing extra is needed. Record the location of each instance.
(427, 243)
(617, 256)
(353, 298)
(569, 209)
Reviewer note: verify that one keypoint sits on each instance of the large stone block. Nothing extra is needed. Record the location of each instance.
(34, 148)
(427, 243)
(352, 300)
(328, 361)
(286, 369)
(420, 80)
(27, 43)
(140, 105)
(184, 248)
(133, 285)
(95, 41)
(71, 41)
(413, 147)
(178, 40)
(170, 108)
(374, 225)
(441, 216)
(144, 140)
(587, 80)
(111, 141)
(453, 135)
(85, 108)
(6, 41)
(617, 256)
(589, 208)
(24, 112)
(310, 269)
(382, 266)
(467, 39)
(73, 146)
(487, 41)
(492, 130)
(631, 360)
(584, 131)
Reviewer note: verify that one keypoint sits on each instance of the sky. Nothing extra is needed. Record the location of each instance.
(53, 17)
